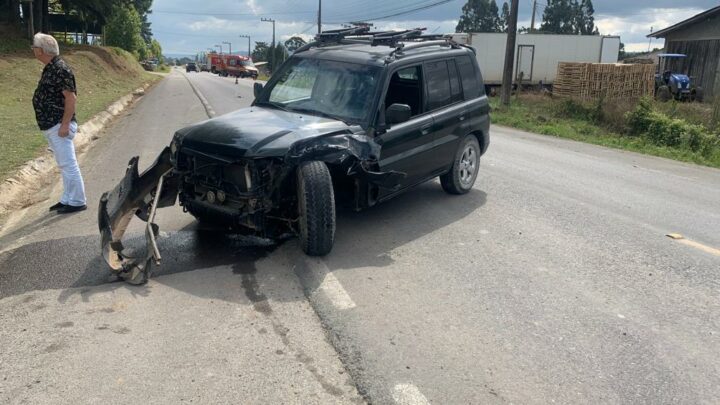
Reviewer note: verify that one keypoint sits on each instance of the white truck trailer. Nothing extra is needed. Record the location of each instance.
(537, 55)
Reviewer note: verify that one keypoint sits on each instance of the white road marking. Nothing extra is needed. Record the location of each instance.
(208, 108)
(330, 286)
(408, 394)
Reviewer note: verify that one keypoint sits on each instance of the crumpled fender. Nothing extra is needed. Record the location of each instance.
(338, 148)
(140, 195)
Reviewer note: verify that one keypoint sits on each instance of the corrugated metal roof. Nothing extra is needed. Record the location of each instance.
(682, 24)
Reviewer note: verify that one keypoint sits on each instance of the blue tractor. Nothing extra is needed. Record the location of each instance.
(674, 85)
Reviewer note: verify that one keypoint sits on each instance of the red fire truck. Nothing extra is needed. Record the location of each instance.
(232, 65)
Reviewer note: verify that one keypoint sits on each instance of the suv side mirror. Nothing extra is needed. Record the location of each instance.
(397, 113)
(257, 89)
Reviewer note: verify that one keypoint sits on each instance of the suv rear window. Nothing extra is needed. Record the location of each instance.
(442, 84)
(471, 89)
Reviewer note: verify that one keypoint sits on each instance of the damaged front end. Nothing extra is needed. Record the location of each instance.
(140, 195)
(247, 194)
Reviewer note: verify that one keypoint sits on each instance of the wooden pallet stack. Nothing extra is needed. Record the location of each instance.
(592, 81)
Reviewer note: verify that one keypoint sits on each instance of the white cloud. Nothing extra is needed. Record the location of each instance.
(252, 5)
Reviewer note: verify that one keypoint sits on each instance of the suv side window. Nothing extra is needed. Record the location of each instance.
(442, 84)
(471, 89)
(406, 88)
(438, 84)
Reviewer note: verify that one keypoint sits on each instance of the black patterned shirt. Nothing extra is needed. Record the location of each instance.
(48, 100)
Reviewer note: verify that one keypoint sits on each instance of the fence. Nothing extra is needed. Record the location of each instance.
(592, 81)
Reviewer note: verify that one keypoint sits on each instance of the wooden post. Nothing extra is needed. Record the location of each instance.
(532, 20)
(30, 21)
(509, 53)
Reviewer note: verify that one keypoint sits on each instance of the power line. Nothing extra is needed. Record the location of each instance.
(437, 3)
(354, 15)
(222, 13)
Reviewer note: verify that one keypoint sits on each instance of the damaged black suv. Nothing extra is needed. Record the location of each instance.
(354, 117)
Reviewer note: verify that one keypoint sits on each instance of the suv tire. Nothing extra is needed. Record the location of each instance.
(316, 208)
(464, 171)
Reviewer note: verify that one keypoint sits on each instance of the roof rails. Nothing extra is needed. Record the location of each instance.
(400, 40)
(362, 35)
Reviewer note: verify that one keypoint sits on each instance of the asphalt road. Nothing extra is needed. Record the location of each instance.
(552, 281)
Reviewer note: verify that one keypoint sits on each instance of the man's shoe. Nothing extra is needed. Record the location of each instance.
(57, 206)
(71, 208)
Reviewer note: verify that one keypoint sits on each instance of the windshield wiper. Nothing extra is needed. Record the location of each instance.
(273, 105)
(320, 113)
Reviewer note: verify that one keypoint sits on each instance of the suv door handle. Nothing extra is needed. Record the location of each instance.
(425, 129)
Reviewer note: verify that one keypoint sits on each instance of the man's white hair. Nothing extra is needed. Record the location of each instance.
(47, 43)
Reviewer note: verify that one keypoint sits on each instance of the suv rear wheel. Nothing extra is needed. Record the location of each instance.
(316, 208)
(462, 175)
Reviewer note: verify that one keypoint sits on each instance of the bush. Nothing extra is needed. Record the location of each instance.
(662, 130)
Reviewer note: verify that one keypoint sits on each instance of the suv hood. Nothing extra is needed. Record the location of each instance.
(255, 132)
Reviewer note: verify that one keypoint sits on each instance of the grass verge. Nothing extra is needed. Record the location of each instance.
(599, 125)
(102, 74)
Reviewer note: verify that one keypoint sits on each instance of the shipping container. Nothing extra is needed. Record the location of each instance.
(537, 55)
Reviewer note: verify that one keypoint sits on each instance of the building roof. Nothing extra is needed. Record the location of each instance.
(682, 24)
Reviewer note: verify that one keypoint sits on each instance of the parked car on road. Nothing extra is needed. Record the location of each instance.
(353, 118)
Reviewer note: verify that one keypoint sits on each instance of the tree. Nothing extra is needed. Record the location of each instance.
(585, 22)
(569, 17)
(123, 30)
(277, 55)
(156, 50)
(505, 17)
(479, 16)
(294, 43)
(260, 53)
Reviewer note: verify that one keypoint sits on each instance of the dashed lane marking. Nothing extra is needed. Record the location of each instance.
(206, 105)
(408, 394)
(330, 286)
(707, 249)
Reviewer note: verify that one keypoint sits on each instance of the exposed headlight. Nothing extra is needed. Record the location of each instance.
(174, 147)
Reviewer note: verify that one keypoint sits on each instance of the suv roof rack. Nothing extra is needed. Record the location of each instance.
(393, 39)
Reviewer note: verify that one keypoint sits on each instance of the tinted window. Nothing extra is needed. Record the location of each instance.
(438, 84)
(471, 89)
(455, 90)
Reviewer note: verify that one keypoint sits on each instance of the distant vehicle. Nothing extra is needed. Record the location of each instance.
(204, 67)
(537, 55)
(674, 85)
(191, 67)
(232, 65)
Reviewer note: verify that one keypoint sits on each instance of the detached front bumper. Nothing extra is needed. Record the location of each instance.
(140, 195)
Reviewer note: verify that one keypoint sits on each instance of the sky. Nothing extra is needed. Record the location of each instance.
(186, 27)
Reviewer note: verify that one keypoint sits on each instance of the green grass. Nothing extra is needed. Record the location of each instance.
(102, 74)
(545, 116)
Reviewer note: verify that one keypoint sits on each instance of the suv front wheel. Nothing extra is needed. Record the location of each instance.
(464, 171)
(316, 208)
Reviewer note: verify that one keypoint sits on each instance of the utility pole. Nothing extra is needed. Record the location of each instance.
(31, 23)
(509, 53)
(532, 21)
(650, 42)
(229, 46)
(219, 46)
(248, 37)
(272, 49)
(319, 16)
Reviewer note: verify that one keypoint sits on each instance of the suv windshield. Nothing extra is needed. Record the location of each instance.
(327, 88)
(248, 63)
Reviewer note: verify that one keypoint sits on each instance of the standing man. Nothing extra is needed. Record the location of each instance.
(54, 103)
